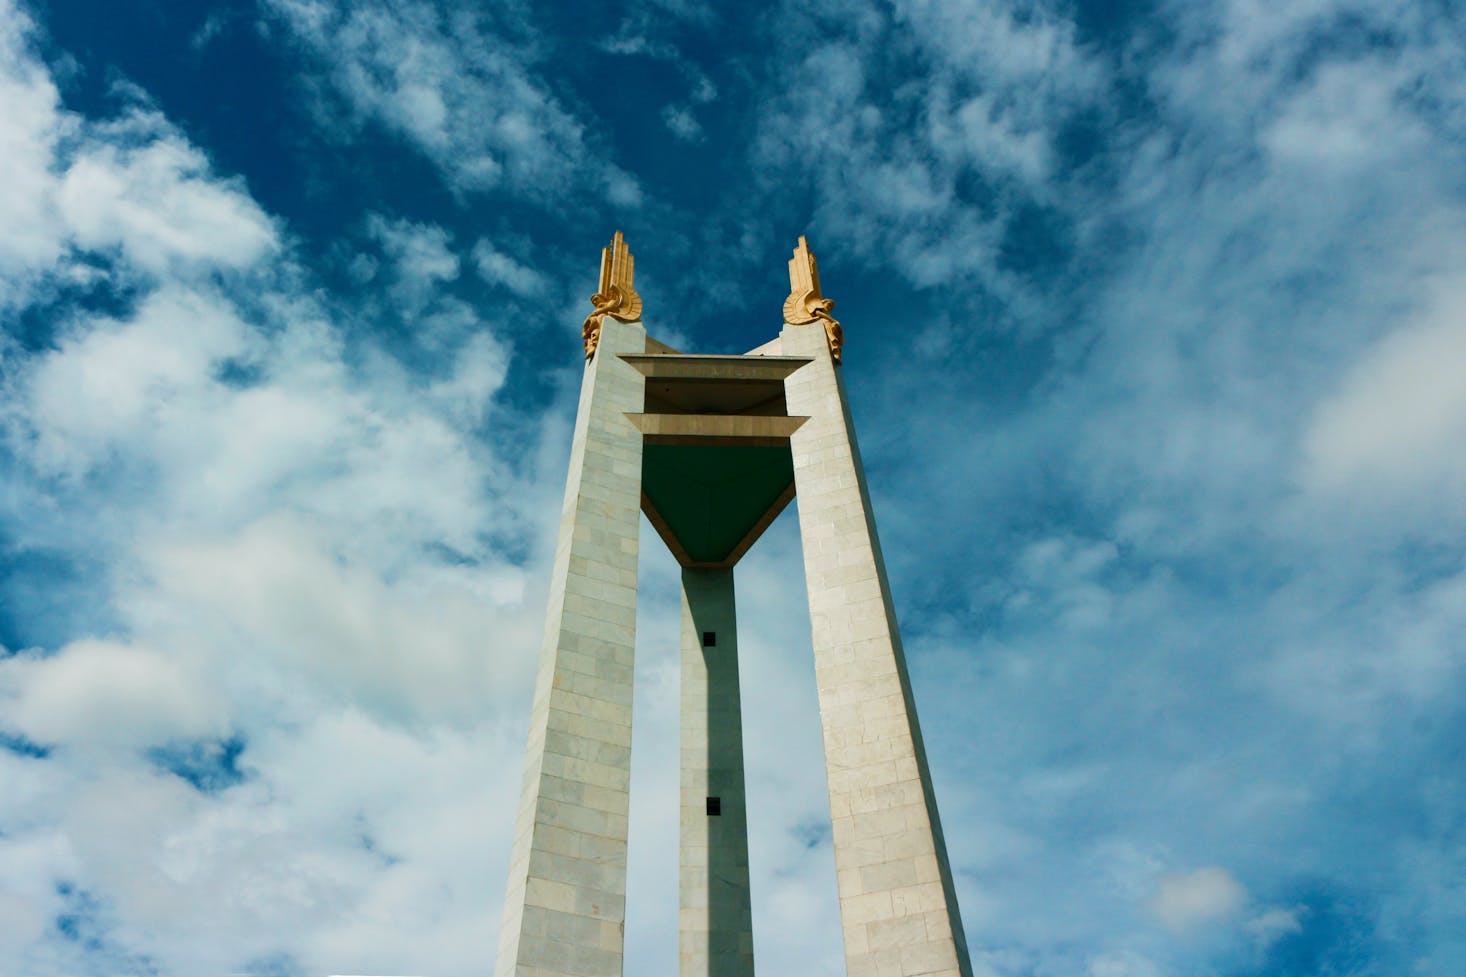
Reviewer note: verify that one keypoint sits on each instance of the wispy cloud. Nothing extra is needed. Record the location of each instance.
(683, 124)
(1395, 429)
(462, 86)
(498, 268)
(1191, 899)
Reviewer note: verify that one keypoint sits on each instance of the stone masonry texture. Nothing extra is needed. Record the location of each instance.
(564, 912)
(898, 907)
(715, 916)
(565, 907)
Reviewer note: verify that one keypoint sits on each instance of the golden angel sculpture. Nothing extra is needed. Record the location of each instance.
(616, 296)
(805, 303)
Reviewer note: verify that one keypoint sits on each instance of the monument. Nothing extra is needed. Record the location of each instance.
(712, 448)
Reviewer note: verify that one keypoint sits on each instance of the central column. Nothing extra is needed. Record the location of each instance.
(715, 918)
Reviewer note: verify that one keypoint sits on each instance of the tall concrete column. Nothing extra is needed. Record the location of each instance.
(715, 919)
(565, 910)
(898, 907)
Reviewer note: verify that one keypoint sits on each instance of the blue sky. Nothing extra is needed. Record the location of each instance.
(1155, 320)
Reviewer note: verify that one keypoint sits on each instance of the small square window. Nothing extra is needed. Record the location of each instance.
(715, 807)
(709, 639)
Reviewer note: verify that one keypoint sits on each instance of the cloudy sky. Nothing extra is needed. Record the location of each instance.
(1155, 318)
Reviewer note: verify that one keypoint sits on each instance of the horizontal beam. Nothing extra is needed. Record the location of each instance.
(668, 366)
(712, 428)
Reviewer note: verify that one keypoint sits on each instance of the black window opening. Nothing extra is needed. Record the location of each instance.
(715, 807)
(709, 639)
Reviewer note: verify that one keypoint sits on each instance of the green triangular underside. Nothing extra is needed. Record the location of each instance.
(711, 496)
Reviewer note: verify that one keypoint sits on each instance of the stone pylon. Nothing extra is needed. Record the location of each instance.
(711, 449)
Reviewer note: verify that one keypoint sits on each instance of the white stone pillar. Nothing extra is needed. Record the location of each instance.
(715, 919)
(897, 903)
(565, 910)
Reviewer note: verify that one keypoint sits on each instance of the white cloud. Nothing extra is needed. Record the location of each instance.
(682, 123)
(993, 42)
(1396, 425)
(116, 383)
(131, 186)
(480, 367)
(104, 694)
(1062, 579)
(29, 129)
(1192, 899)
(1390, 652)
(1336, 119)
(277, 590)
(459, 86)
(498, 268)
(23, 919)
(892, 161)
(1123, 963)
(982, 130)
(347, 832)
(1274, 924)
(420, 256)
(138, 186)
(425, 801)
(150, 391)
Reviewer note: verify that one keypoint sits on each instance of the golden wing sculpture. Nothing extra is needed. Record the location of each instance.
(616, 296)
(806, 303)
